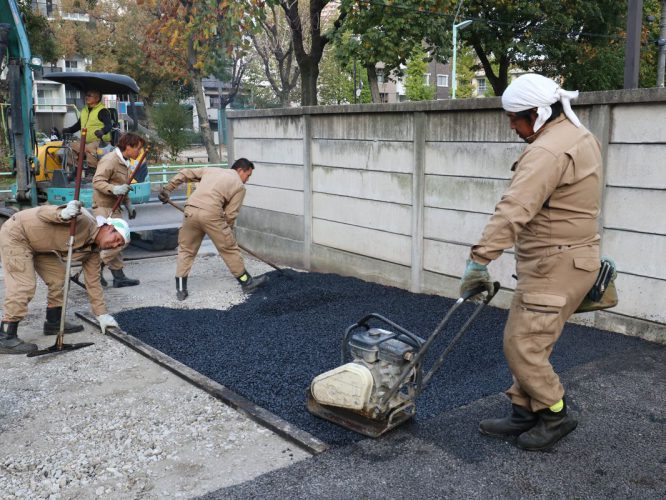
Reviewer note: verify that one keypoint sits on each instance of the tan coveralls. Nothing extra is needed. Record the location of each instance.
(111, 171)
(211, 210)
(35, 240)
(549, 212)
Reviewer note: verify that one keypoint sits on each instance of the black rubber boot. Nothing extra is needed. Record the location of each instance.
(9, 341)
(250, 284)
(520, 420)
(120, 280)
(52, 323)
(102, 281)
(550, 428)
(181, 288)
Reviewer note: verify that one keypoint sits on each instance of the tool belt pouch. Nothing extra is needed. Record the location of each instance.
(603, 294)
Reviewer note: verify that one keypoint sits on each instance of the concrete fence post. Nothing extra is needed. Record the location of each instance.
(230, 143)
(418, 194)
(307, 191)
(600, 126)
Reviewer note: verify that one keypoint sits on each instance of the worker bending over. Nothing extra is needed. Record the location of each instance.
(110, 181)
(212, 210)
(549, 213)
(36, 241)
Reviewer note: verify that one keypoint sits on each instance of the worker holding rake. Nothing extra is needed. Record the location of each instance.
(212, 210)
(36, 241)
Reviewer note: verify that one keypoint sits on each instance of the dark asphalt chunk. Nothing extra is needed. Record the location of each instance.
(269, 348)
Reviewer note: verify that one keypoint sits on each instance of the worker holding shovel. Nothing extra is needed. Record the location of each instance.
(212, 211)
(36, 241)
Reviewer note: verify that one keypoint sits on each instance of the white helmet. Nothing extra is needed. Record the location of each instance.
(118, 224)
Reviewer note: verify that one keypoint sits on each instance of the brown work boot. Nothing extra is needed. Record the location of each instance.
(52, 323)
(551, 427)
(9, 341)
(520, 420)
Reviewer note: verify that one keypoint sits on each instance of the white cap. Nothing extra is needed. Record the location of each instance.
(118, 224)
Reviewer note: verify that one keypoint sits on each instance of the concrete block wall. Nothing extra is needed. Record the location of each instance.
(397, 193)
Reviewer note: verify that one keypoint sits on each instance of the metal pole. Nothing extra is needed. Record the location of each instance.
(632, 49)
(661, 60)
(453, 70)
(355, 100)
(219, 118)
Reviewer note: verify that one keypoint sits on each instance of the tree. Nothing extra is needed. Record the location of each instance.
(40, 34)
(206, 37)
(415, 86)
(171, 120)
(275, 50)
(376, 32)
(309, 37)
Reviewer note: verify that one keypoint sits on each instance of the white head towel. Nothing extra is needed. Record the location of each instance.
(536, 91)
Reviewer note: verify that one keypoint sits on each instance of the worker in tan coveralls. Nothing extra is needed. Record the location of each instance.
(110, 181)
(549, 213)
(212, 210)
(36, 241)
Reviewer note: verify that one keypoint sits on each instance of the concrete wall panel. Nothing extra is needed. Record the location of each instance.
(636, 253)
(472, 159)
(271, 222)
(365, 155)
(277, 176)
(637, 165)
(283, 127)
(451, 259)
(454, 226)
(470, 126)
(362, 127)
(396, 188)
(630, 123)
(388, 217)
(288, 151)
(459, 193)
(635, 209)
(369, 242)
(641, 297)
(278, 200)
(281, 251)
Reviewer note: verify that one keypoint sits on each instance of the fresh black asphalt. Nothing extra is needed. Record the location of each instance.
(269, 348)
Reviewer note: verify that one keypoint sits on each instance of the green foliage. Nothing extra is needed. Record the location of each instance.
(335, 84)
(171, 120)
(415, 87)
(464, 73)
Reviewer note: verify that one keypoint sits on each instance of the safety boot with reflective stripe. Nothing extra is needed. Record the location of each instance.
(181, 288)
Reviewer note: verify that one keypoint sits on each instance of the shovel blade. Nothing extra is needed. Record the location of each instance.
(54, 349)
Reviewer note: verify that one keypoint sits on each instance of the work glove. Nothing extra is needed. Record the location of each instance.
(120, 189)
(99, 133)
(105, 321)
(164, 195)
(612, 263)
(73, 209)
(131, 211)
(474, 276)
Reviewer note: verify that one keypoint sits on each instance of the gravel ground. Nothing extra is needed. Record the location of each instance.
(105, 422)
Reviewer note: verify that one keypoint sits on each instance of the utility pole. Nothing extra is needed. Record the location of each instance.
(632, 49)
(661, 60)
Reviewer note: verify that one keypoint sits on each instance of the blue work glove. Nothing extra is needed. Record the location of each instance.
(474, 276)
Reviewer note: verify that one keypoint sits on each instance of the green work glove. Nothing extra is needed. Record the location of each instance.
(612, 263)
(474, 276)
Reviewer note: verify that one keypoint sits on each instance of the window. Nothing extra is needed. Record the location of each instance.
(215, 101)
(383, 97)
(380, 76)
(442, 80)
(481, 83)
(72, 94)
(71, 66)
(426, 79)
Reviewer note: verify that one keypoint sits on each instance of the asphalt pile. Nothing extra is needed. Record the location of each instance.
(269, 348)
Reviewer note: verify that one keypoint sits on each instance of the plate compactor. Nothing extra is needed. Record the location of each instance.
(382, 372)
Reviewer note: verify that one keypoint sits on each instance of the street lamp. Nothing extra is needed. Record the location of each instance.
(456, 27)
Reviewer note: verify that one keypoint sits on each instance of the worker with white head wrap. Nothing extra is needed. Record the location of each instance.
(549, 214)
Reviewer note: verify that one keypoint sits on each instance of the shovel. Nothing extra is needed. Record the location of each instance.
(60, 346)
(278, 269)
